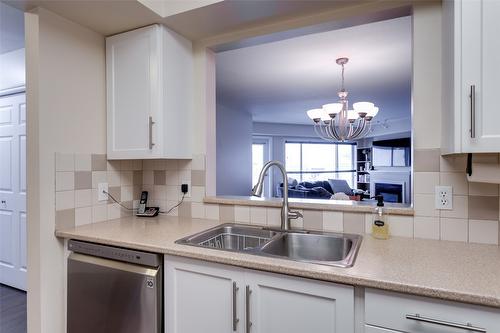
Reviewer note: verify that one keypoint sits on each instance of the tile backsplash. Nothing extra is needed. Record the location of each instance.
(474, 218)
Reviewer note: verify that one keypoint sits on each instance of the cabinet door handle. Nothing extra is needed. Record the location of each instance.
(151, 123)
(466, 327)
(472, 111)
(247, 309)
(235, 318)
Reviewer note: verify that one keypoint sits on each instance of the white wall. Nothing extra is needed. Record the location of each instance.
(66, 113)
(234, 151)
(12, 71)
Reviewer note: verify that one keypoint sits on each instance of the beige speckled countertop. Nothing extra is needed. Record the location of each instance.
(448, 270)
(364, 206)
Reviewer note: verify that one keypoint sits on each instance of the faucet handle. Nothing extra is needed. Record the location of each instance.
(293, 214)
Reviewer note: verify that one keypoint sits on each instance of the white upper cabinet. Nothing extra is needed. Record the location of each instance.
(471, 76)
(149, 94)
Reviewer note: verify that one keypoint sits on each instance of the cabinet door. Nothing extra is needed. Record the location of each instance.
(373, 329)
(480, 70)
(133, 78)
(283, 304)
(202, 297)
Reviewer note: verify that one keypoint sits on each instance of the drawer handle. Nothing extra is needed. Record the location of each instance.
(235, 318)
(151, 123)
(467, 327)
(247, 308)
(472, 97)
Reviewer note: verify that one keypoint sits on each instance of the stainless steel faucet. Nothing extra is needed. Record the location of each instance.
(286, 213)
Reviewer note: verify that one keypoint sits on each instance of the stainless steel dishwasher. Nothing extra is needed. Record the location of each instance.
(113, 290)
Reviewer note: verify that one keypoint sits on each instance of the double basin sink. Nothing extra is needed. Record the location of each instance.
(332, 249)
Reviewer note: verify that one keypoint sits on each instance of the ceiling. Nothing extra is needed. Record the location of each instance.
(279, 81)
(11, 28)
(194, 19)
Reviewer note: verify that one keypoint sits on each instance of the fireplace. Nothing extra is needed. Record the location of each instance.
(390, 192)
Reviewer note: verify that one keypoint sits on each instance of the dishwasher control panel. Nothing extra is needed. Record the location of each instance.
(115, 253)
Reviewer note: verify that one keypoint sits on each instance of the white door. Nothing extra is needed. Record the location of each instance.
(134, 93)
(199, 297)
(480, 75)
(13, 191)
(282, 304)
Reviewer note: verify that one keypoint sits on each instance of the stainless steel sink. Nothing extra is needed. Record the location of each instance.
(333, 249)
(327, 249)
(232, 237)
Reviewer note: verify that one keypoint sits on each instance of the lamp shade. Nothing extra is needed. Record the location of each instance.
(373, 112)
(332, 108)
(315, 114)
(363, 107)
(352, 115)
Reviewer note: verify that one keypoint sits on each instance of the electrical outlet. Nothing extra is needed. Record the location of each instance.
(444, 197)
(101, 195)
(188, 194)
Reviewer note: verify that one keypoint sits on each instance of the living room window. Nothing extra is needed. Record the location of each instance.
(314, 161)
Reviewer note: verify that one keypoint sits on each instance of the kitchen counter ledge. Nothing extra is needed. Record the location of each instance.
(453, 271)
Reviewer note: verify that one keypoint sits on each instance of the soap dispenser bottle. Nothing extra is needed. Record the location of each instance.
(380, 228)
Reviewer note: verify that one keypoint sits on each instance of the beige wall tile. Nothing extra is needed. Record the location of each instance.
(83, 198)
(99, 162)
(460, 208)
(426, 160)
(65, 180)
(113, 178)
(368, 223)
(426, 227)
(95, 197)
(83, 215)
(116, 192)
(313, 219)
(185, 209)
(258, 215)
(333, 221)
(424, 205)
(83, 162)
(173, 193)
(172, 177)
(242, 214)
(184, 165)
(127, 178)
(65, 200)
(483, 231)
(212, 211)
(65, 162)
(298, 223)
(490, 158)
(457, 180)
(127, 193)
(83, 180)
(274, 217)
(65, 219)
(483, 208)
(99, 177)
(483, 189)
(400, 226)
(226, 213)
(354, 223)
(148, 177)
(114, 211)
(454, 163)
(159, 177)
(425, 182)
(454, 229)
(197, 193)
(198, 177)
(137, 177)
(112, 165)
(171, 165)
(197, 210)
(99, 213)
(184, 177)
(174, 211)
(148, 165)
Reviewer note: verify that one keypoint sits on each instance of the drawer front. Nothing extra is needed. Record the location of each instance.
(416, 314)
(373, 329)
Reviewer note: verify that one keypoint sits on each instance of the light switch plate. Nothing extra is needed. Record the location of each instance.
(444, 197)
(101, 187)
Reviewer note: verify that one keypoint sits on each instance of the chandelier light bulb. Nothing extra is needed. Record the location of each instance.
(332, 108)
(315, 114)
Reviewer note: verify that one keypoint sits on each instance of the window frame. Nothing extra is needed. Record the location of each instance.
(301, 172)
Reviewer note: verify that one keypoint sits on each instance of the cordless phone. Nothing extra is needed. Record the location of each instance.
(146, 211)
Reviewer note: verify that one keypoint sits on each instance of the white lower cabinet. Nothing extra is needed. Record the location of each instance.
(213, 298)
(394, 312)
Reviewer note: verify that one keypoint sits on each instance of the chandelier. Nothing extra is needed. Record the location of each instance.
(335, 122)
